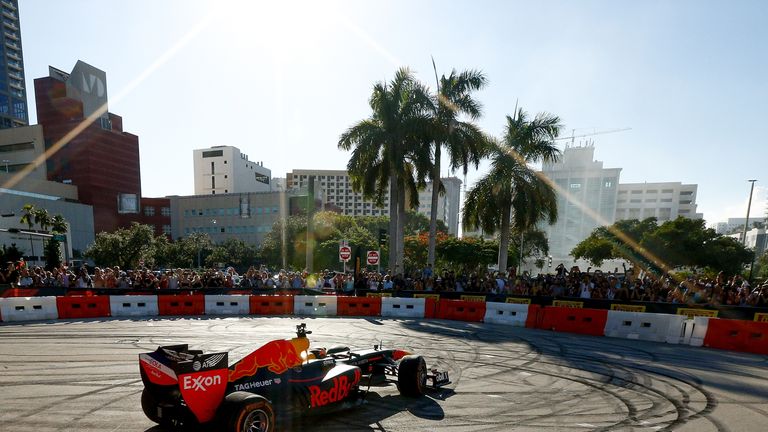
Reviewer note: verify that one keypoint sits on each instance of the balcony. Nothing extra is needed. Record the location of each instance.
(11, 25)
(14, 65)
(11, 36)
(15, 84)
(8, 4)
(10, 14)
(13, 55)
(15, 75)
(12, 45)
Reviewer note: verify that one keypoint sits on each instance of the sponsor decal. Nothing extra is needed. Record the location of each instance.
(432, 296)
(473, 298)
(690, 313)
(761, 317)
(213, 360)
(628, 308)
(277, 356)
(568, 304)
(203, 392)
(158, 372)
(256, 384)
(196, 365)
(340, 389)
(517, 300)
(378, 294)
(200, 383)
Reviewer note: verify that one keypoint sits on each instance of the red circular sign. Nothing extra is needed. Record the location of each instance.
(373, 257)
(345, 253)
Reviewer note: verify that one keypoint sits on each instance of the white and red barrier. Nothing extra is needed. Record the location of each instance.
(315, 305)
(735, 335)
(28, 308)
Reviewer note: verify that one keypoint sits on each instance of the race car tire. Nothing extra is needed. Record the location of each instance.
(149, 405)
(412, 376)
(248, 412)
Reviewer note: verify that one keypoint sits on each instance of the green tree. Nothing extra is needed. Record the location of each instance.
(124, 247)
(28, 216)
(233, 252)
(464, 143)
(660, 248)
(389, 151)
(512, 195)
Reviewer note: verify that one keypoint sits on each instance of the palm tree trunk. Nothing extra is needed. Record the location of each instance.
(504, 238)
(393, 201)
(401, 227)
(433, 211)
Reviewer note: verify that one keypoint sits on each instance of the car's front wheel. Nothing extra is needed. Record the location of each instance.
(412, 376)
(250, 413)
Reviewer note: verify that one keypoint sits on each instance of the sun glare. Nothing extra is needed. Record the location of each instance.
(282, 28)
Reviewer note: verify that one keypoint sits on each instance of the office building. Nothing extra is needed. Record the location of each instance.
(13, 89)
(19, 147)
(664, 201)
(245, 216)
(586, 198)
(334, 188)
(224, 169)
(102, 159)
(737, 225)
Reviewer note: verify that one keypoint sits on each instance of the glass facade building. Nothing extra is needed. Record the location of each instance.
(13, 93)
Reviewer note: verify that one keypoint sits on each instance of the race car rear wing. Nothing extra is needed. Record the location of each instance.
(201, 378)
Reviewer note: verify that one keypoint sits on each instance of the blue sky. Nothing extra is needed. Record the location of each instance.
(282, 80)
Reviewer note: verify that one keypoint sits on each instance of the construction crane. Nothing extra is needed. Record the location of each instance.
(574, 136)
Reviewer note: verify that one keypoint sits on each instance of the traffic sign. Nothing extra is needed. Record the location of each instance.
(345, 253)
(373, 258)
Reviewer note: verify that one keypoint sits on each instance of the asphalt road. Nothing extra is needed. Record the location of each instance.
(83, 376)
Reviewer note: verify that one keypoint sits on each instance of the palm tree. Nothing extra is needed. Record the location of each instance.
(388, 150)
(28, 217)
(463, 141)
(512, 193)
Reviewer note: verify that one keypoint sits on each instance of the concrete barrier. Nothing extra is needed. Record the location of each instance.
(506, 313)
(28, 308)
(133, 306)
(315, 305)
(227, 305)
(696, 331)
(643, 326)
(402, 307)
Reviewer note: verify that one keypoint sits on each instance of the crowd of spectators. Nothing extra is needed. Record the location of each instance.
(622, 285)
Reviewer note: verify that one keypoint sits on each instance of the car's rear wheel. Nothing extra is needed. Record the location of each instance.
(251, 413)
(151, 407)
(412, 376)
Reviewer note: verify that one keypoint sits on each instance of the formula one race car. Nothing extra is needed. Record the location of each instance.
(184, 387)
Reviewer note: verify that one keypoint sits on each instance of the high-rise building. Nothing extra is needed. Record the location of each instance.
(664, 201)
(89, 148)
(13, 90)
(224, 169)
(586, 198)
(334, 188)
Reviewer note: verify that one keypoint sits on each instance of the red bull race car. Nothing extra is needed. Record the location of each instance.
(282, 379)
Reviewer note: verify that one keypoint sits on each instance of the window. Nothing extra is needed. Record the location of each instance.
(149, 211)
(127, 203)
(621, 201)
(167, 229)
(213, 153)
(226, 191)
(622, 192)
(635, 201)
(667, 191)
(635, 192)
(213, 183)
(19, 109)
(686, 193)
(225, 176)
(165, 211)
(213, 171)
(650, 200)
(652, 191)
(17, 147)
(666, 200)
(685, 211)
(685, 201)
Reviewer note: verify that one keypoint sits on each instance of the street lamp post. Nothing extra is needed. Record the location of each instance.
(749, 207)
